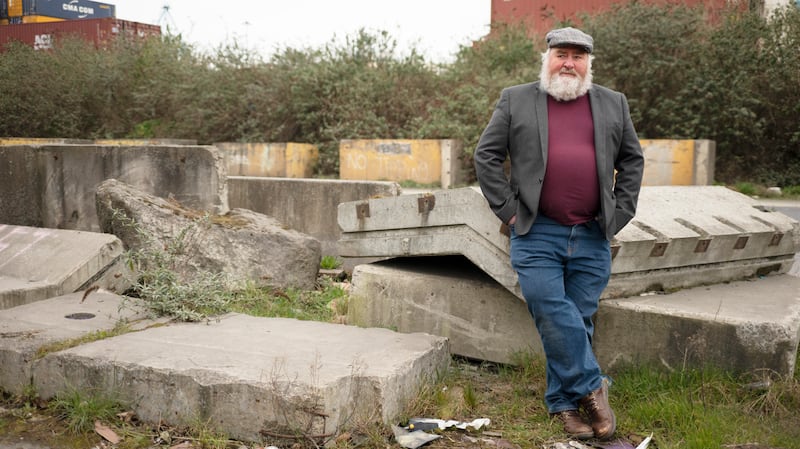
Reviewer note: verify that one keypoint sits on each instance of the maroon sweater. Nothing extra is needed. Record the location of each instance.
(570, 192)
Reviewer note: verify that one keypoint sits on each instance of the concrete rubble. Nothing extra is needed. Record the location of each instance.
(53, 185)
(681, 236)
(40, 263)
(684, 242)
(242, 244)
(251, 378)
(702, 276)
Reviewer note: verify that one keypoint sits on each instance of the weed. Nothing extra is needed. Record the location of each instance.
(330, 263)
(166, 295)
(161, 278)
(327, 303)
(80, 410)
(205, 436)
(121, 327)
(409, 184)
(470, 396)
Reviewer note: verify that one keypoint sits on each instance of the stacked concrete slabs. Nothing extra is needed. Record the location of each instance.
(682, 237)
(446, 222)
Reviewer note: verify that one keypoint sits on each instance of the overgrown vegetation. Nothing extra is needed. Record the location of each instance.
(682, 409)
(733, 78)
(161, 283)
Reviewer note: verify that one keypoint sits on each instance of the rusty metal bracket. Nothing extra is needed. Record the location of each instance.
(426, 203)
(702, 245)
(362, 210)
(659, 248)
(505, 230)
(614, 251)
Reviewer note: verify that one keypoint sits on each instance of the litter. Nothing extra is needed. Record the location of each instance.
(414, 435)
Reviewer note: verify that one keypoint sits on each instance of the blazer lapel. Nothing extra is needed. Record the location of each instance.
(598, 119)
(541, 116)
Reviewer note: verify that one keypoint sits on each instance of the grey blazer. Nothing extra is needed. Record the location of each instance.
(518, 128)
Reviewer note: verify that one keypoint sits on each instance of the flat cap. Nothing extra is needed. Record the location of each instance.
(569, 37)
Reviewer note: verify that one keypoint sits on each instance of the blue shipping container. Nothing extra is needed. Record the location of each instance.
(69, 9)
(3, 9)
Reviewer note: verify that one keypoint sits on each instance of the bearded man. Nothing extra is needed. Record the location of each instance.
(576, 171)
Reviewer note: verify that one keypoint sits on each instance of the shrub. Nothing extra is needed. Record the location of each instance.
(734, 79)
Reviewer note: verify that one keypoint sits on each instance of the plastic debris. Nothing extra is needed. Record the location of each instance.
(475, 424)
(622, 444)
(432, 423)
(415, 434)
(645, 443)
(412, 439)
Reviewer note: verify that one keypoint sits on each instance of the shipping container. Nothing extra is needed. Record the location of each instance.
(62, 9)
(42, 36)
(14, 8)
(539, 16)
(69, 9)
(40, 19)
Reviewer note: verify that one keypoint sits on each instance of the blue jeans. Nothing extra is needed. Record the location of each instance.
(562, 272)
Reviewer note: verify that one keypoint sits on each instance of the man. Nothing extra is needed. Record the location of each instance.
(576, 171)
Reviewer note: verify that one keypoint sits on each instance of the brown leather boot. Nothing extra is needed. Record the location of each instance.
(604, 423)
(574, 424)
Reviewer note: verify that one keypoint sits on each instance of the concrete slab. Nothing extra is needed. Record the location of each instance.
(741, 326)
(40, 263)
(27, 328)
(249, 377)
(447, 296)
(681, 237)
(305, 205)
(446, 222)
(53, 185)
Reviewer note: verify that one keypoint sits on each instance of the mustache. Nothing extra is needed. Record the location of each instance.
(568, 72)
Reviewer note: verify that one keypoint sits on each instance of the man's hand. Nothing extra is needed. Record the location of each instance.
(512, 220)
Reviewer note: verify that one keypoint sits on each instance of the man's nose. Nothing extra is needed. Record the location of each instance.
(569, 63)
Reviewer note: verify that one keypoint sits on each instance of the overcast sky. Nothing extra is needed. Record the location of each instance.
(435, 27)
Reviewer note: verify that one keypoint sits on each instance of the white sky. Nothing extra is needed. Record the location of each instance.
(435, 27)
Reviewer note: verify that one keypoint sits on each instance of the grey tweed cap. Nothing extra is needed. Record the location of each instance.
(569, 37)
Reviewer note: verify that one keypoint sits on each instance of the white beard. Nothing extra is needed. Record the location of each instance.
(565, 88)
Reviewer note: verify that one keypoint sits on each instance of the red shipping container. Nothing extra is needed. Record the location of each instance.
(539, 16)
(42, 36)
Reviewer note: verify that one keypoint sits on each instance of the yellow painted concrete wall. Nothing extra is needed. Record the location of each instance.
(678, 162)
(8, 141)
(122, 142)
(145, 142)
(281, 160)
(391, 160)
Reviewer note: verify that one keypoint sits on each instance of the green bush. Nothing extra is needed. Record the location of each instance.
(733, 78)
